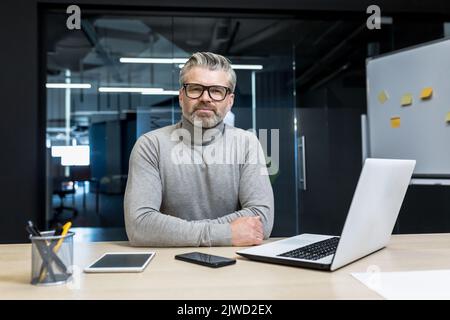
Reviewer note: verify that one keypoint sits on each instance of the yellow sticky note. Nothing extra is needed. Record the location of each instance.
(395, 122)
(383, 96)
(447, 117)
(426, 93)
(407, 99)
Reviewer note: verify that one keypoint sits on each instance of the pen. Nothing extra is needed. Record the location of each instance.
(31, 228)
(33, 231)
(65, 229)
(58, 229)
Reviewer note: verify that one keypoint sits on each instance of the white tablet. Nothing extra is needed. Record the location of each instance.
(121, 262)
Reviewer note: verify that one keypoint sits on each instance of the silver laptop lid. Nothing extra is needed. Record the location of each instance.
(374, 209)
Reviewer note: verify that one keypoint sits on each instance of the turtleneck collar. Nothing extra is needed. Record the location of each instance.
(201, 136)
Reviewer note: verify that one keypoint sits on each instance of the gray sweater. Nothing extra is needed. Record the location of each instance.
(186, 184)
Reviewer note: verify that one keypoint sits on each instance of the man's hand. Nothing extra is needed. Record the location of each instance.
(246, 231)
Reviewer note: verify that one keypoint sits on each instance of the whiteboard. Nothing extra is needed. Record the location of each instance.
(424, 133)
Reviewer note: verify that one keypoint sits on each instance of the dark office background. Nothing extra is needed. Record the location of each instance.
(329, 82)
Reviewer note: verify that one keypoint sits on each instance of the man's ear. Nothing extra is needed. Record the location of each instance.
(230, 101)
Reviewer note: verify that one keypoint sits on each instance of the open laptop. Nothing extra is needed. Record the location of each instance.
(368, 227)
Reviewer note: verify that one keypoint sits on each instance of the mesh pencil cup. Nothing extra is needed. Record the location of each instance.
(51, 258)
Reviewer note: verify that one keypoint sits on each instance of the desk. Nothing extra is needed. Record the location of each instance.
(167, 278)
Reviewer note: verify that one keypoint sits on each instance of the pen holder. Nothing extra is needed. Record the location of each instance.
(51, 258)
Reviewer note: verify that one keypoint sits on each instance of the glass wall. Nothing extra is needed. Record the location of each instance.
(117, 78)
(302, 80)
(331, 98)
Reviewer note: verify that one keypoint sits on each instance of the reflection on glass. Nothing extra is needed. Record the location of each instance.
(72, 155)
(117, 78)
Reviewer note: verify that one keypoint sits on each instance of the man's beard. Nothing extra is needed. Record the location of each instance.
(207, 121)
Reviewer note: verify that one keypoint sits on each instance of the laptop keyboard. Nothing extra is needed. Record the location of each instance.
(315, 251)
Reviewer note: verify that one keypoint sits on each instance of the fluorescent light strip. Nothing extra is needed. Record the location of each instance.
(68, 85)
(153, 60)
(163, 93)
(240, 66)
(247, 66)
(129, 89)
(181, 61)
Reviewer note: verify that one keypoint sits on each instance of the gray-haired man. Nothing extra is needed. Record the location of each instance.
(174, 200)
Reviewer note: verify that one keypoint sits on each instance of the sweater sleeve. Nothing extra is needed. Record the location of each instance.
(145, 224)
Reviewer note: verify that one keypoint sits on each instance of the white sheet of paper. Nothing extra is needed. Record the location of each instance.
(409, 285)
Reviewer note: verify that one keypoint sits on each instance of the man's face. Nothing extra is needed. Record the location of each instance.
(204, 110)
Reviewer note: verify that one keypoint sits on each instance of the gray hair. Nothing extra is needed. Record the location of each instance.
(212, 61)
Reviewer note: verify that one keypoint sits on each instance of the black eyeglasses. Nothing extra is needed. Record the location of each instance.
(195, 91)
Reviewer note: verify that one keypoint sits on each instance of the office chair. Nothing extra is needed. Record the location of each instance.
(63, 189)
(83, 174)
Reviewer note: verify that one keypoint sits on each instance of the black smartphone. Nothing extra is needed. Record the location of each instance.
(205, 259)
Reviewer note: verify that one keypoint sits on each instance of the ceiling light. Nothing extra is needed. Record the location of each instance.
(240, 66)
(68, 85)
(247, 66)
(129, 89)
(181, 61)
(153, 60)
(163, 93)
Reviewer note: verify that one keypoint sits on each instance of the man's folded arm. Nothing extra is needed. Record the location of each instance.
(255, 191)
